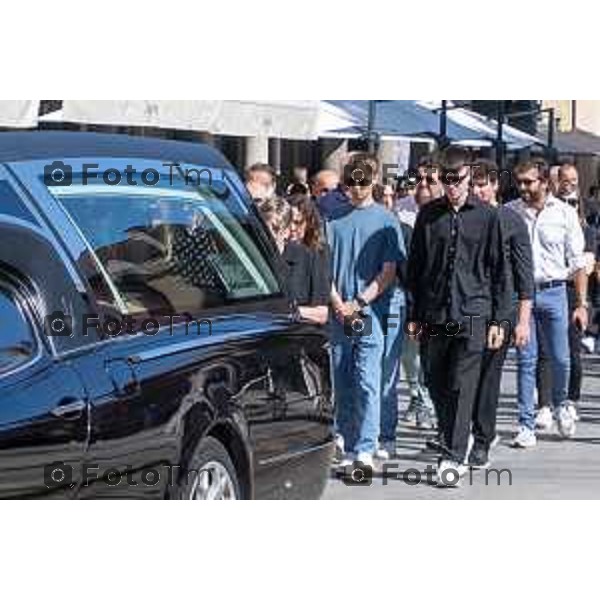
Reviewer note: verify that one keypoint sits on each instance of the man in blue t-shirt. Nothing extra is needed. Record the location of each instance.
(366, 248)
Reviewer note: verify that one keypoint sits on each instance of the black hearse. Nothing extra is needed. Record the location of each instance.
(146, 347)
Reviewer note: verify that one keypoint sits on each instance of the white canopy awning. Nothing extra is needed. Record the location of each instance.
(482, 127)
(291, 119)
(414, 120)
(294, 119)
(19, 113)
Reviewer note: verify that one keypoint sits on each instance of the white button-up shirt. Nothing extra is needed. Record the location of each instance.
(556, 236)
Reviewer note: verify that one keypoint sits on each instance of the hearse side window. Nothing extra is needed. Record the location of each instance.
(17, 343)
(11, 204)
(168, 249)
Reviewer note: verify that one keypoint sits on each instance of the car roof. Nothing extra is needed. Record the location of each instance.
(19, 146)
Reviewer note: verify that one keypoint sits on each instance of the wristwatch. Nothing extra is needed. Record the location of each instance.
(361, 301)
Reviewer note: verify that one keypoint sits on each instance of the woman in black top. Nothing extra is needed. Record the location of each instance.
(296, 229)
(307, 257)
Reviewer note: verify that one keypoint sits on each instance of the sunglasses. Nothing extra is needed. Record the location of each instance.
(451, 177)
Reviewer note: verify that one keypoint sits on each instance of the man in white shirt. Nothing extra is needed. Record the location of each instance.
(558, 252)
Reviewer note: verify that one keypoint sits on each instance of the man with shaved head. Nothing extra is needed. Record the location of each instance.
(568, 184)
(324, 181)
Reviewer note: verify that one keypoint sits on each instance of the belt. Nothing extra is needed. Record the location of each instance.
(545, 285)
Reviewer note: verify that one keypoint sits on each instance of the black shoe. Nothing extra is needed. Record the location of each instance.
(479, 458)
(436, 443)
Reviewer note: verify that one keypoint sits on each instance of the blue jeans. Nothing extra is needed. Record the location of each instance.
(390, 368)
(357, 371)
(551, 313)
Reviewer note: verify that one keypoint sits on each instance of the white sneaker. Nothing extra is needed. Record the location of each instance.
(566, 422)
(339, 448)
(544, 419)
(573, 411)
(470, 444)
(589, 344)
(525, 438)
(449, 473)
(386, 451)
(346, 460)
(366, 458)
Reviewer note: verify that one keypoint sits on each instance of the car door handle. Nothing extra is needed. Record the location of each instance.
(69, 409)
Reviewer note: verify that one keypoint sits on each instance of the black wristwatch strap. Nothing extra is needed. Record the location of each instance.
(361, 301)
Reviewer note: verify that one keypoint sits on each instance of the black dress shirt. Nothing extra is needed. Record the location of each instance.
(517, 248)
(457, 266)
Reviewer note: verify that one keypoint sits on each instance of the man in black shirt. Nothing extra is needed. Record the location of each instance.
(517, 252)
(456, 277)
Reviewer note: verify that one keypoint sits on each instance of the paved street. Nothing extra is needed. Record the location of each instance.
(554, 469)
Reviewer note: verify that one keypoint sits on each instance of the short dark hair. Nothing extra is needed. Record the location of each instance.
(297, 188)
(365, 157)
(534, 163)
(260, 168)
(430, 160)
(486, 169)
(454, 159)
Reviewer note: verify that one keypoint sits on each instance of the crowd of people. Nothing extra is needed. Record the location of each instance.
(434, 274)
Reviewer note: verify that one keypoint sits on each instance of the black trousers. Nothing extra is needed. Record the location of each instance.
(488, 393)
(454, 371)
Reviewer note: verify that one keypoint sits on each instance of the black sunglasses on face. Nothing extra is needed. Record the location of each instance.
(451, 177)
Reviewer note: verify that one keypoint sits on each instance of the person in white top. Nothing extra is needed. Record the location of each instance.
(558, 253)
(568, 191)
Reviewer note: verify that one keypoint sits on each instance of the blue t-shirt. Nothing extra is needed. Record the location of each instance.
(361, 241)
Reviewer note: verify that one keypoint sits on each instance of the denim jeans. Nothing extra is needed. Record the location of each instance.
(390, 368)
(357, 376)
(551, 314)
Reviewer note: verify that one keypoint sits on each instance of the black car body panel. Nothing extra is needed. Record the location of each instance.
(129, 405)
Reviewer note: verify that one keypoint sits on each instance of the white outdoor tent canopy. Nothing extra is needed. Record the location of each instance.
(419, 119)
(290, 119)
(20, 114)
(409, 120)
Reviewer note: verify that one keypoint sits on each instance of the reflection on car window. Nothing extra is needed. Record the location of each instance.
(168, 249)
(11, 204)
(16, 338)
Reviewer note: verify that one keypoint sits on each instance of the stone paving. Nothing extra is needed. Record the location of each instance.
(554, 469)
